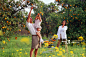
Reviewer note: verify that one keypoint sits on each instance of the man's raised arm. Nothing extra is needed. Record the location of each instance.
(28, 20)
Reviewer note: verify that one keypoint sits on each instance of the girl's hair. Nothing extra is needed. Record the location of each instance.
(65, 22)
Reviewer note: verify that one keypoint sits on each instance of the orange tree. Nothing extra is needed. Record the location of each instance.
(74, 13)
(11, 15)
(49, 18)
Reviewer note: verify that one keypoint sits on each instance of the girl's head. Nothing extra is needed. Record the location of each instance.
(38, 15)
(64, 23)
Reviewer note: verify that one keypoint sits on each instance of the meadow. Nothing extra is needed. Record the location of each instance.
(19, 46)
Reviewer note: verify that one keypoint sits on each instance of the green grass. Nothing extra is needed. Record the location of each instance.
(16, 48)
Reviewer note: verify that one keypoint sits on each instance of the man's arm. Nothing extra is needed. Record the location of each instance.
(40, 18)
(28, 20)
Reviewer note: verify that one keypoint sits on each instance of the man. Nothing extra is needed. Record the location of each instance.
(35, 35)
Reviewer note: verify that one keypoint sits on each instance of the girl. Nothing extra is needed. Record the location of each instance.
(62, 34)
(38, 27)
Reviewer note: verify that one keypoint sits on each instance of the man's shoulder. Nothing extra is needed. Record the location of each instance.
(59, 26)
(65, 26)
(28, 23)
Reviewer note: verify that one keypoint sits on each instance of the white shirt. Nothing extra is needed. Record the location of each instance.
(62, 31)
(31, 28)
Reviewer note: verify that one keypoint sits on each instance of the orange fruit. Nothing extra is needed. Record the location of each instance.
(8, 40)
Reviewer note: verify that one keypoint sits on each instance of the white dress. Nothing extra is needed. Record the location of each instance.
(37, 24)
(62, 32)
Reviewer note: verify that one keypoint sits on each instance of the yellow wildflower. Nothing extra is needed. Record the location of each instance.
(3, 51)
(25, 40)
(20, 52)
(63, 51)
(20, 49)
(71, 52)
(12, 53)
(56, 47)
(55, 36)
(17, 50)
(84, 48)
(26, 53)
(49, 56)
(80, 38)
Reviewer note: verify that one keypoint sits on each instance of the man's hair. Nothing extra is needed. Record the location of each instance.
(30, 18)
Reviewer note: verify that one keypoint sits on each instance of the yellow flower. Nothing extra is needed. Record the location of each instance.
(46, 44)
(55, 36)
(63, 55)
(83, 43)
(17, 50)
(26, 53)
(25, 40)
(3, 51)
(56, 48)
(20, 52)
(49, 56)
(60, 52)
(20, 49)
(63, 51)
(60, 48)
(12, 53)
(84, 48)
(53, 55)
(3, 42)
(83, 54)
(40, 52)
(71, 52)
(80, 38)
(52, 46)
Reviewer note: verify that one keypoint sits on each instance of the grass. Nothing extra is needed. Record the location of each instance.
(21, 48)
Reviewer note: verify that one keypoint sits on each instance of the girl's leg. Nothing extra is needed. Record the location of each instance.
(39, 35)
(59, 41)
(66, 47)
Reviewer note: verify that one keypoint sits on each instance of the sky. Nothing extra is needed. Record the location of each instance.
(45, 1)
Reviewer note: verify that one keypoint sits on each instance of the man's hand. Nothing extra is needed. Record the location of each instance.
(31, 8)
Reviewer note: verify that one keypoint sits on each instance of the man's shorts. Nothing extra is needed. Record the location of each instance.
(35, 42)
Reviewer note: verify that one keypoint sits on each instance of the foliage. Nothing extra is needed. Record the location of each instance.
(11, 15)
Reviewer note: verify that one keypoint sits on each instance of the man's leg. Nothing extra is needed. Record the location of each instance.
(35, 52)
(31, 52)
